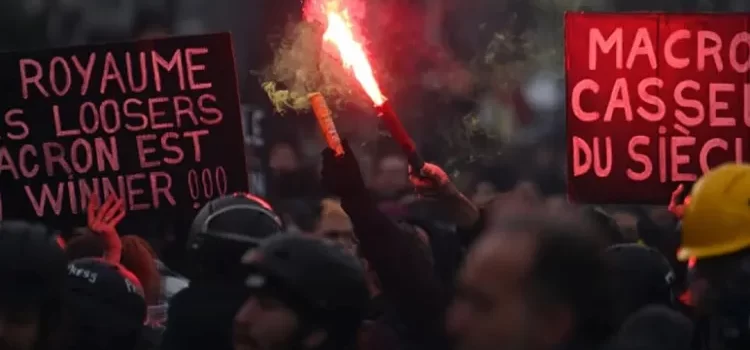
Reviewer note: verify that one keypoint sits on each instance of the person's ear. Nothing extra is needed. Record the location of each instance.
(314, 339)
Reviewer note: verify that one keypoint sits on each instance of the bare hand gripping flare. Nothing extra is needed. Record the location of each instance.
(325, 122)
(339, 33)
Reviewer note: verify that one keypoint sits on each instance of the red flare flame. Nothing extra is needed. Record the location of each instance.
(340, 31)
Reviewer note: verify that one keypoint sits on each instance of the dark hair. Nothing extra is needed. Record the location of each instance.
(138, 257)
(570, 268)
(86, 245)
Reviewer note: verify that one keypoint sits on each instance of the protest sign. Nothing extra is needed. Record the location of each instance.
(653, 100)
(156, 122)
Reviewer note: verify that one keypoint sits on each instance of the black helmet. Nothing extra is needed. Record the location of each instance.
(32, 263)
(318, 279)
(226, 227)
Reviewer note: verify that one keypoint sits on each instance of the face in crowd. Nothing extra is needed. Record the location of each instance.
(391, 175)
(335, 226)
(492, 309)
(303, 294)
(531, 284)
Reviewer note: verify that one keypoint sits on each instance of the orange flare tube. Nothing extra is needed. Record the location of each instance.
(325, 122)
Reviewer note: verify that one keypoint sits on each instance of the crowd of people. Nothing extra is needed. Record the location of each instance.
(403, 260)
(360, 252)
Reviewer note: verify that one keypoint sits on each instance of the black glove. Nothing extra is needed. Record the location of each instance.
(341, 175)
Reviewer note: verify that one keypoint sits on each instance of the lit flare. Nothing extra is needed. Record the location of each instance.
(352, 53)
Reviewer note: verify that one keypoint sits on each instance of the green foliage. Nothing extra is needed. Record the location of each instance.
(302, 65)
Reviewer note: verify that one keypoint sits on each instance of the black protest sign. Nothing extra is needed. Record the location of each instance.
(156, 122)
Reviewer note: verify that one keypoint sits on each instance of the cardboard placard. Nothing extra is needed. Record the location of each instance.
(654, 100)
(156, 122)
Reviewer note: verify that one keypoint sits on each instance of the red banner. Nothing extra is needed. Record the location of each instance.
(654, 100)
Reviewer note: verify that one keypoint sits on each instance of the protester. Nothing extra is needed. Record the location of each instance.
(200, 316)
(714, 231)
(451, 212)
(360, 250)
(641, 277)
(401, 258)
(335, 226)
(531, 274)
(357, 275)
(32, 266)
(304, 294)
(105, 307)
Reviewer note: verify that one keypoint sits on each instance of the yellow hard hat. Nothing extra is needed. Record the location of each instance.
(717, 220)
